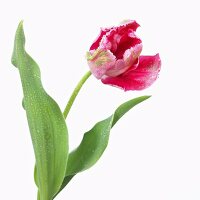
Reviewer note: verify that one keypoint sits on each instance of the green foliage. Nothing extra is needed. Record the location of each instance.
(46, 123)
(95, 142)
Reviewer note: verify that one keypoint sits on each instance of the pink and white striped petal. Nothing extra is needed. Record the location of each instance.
(140, 78)
(100, 61)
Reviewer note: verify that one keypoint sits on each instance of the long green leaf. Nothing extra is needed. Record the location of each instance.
(95, 142)
(46, 123)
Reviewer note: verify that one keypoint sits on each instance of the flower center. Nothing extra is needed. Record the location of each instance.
(126, 42)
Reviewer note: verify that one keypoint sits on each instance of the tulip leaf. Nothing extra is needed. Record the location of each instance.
(46, 123)
(95, 142)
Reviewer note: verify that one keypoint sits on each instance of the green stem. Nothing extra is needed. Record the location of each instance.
(75, 93)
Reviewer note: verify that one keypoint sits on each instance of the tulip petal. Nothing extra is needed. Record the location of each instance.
(128, 24)
(130, 59)
(137, 79)
(100, 61)
(120, 38)
(131, 55)
(119, 68)
(126, 42)
(96, 43)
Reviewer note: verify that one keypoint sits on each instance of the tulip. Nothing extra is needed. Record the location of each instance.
(114, 58)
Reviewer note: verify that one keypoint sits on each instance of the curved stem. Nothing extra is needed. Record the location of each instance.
(75, 93)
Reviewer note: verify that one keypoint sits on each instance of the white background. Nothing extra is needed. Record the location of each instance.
(154, 151)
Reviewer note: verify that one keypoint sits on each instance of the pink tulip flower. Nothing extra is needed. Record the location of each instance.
(114, 57)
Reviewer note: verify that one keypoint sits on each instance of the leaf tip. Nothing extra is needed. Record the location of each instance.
(21, 24)
(143, 98)
(19, 43)
(20, 33)
(147, 96)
